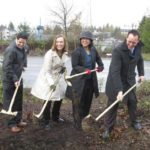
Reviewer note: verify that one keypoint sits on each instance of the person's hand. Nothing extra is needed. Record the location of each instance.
(53, 86)
(63, 69)
(99, 69)
(87, 71)
(120, 96)
(17, 84)
(141, 79)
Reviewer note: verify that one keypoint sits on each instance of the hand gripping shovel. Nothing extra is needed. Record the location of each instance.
(9, 112)
(50, 95)
(67, 78)
(88, 119)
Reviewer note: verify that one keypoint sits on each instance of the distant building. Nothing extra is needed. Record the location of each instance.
(7, 34)
(125, 31)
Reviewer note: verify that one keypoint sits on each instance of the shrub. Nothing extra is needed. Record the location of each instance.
(143, 94)
(1, 84)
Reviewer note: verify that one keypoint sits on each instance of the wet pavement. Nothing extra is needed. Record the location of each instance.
(35, 64)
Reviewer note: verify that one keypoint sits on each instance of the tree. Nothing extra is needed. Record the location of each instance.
(57, 30)
(116, 33)
(62, 14)
(11, 27)
(47, 30)
(2, 28)
(24, 28)
(145, 34)
(141, 24)
(75, 29)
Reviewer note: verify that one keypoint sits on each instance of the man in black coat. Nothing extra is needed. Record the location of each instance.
(125, 58)
(13, 65)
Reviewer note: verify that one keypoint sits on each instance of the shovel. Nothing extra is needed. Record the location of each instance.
(89, 118)
(67, 78)
(45, 104)
(9, 112)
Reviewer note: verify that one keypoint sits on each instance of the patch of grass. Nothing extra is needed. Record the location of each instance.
(144, 89)
(143, 94)
(146, 56)
(1, 87)
(28, 96)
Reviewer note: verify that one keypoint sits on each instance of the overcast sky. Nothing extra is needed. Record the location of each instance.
(122, 13)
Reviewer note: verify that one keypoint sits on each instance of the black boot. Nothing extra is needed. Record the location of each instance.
(44, 124)
(58, 120)
(136, 125)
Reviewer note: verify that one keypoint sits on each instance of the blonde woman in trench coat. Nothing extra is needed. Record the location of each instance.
(54, 62)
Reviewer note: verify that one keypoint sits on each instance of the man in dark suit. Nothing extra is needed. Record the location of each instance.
(125, 58)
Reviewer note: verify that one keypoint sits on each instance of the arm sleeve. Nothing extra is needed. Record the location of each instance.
(9, 57)
(76, 59)
(140, 66)
(115, 70)
(48, 67)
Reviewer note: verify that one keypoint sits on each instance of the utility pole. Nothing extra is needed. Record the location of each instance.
(90, 14)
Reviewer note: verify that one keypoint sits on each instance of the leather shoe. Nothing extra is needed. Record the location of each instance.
(137, 126)
(22, 124)
(106, 135)
(15, 129)
(59, 120)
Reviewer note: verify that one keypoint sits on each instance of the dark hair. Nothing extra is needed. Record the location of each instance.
(22, 35)
(134, 32)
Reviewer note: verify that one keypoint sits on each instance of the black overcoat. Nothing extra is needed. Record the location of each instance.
(78, 66)
(12, 67)
(122, 70)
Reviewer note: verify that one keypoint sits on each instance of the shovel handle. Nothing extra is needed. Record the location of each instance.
(46, 102)
(115, 102)
(44, 106)
(79, 74)
(9, 112)
(14, 95)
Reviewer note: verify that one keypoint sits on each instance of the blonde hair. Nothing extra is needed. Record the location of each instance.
(54, 48)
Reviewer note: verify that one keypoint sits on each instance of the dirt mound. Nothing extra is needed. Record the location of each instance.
(65, 137)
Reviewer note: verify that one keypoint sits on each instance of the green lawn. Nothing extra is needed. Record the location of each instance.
(146, 56)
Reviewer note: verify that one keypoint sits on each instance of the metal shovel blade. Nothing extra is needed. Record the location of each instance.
(9, 112)
(87, 123)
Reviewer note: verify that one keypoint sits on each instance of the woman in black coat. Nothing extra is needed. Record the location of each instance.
(84, 58)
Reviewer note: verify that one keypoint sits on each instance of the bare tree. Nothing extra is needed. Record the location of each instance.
(62, 14)
(75, 29)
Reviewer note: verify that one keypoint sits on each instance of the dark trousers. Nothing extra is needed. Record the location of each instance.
(8, 91)
(131, 102)
(81, 106)
(55, 111)
(15, 120)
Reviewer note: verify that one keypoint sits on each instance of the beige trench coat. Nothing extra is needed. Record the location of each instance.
(47, 76)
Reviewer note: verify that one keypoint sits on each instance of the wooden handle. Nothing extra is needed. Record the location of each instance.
(115, 102)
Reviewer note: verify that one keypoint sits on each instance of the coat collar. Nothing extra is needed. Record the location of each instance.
(54, 53)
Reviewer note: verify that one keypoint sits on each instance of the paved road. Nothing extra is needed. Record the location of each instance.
(35, 64)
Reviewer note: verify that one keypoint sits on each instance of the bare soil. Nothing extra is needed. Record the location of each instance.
(65, 137)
